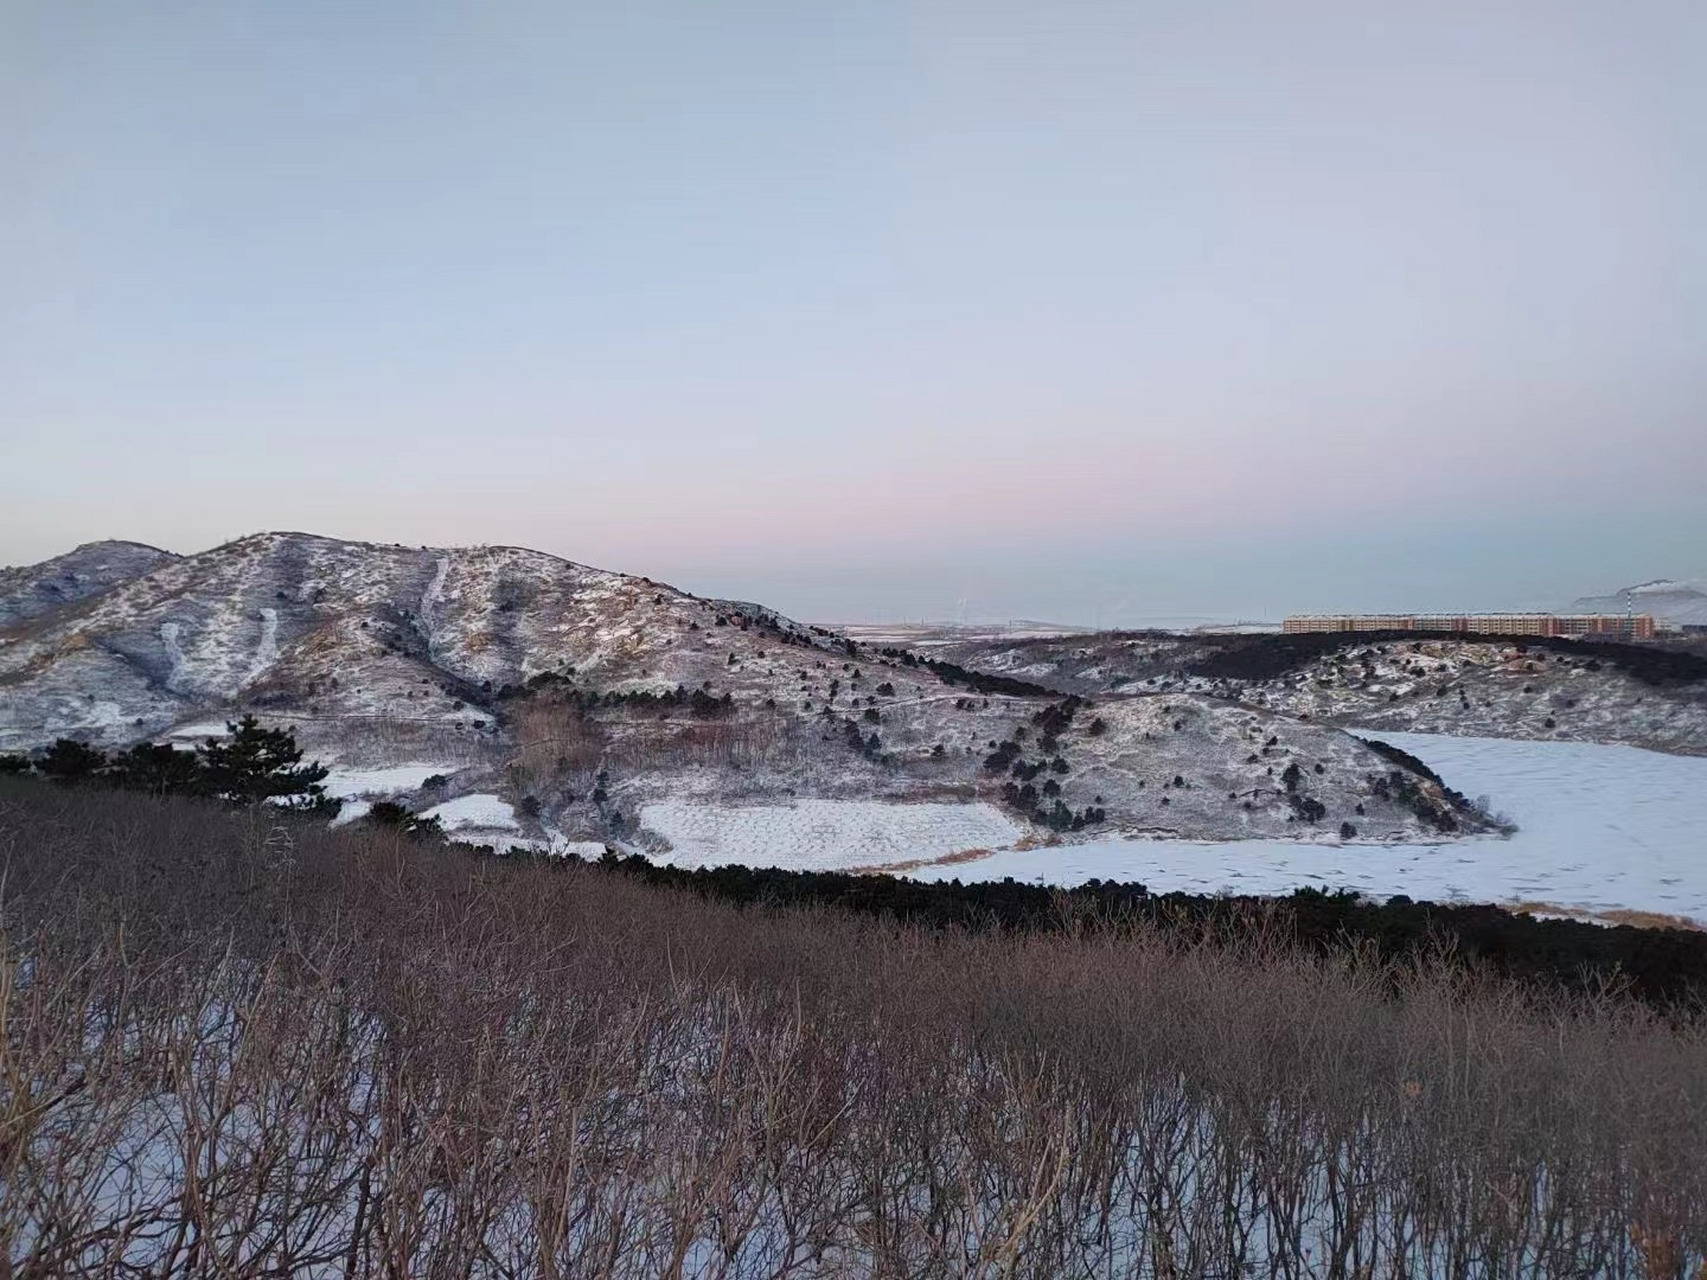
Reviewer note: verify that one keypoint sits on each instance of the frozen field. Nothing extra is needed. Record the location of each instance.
(1601, 828)
(352, 783)
(477, 818)
(823, 834)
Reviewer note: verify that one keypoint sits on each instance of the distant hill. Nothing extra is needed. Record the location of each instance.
(1473, 686)
(1682, 603)
(93, 568)
(552, 700)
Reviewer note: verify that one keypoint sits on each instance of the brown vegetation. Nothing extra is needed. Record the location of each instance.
(1615, 915)
(237, 1045)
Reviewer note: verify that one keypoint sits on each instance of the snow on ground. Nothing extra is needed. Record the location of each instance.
(823, 834)
(591, 850)
(382, 782)
(1601, 828)
(170, 638)
(267, 651)
(478, 812)
(196, 733)
(349, 811)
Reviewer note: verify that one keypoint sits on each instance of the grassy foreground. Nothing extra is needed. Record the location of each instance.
(237, 1044)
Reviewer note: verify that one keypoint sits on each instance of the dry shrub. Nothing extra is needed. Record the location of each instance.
(554, 736)
(231, 1047)
(647, 743)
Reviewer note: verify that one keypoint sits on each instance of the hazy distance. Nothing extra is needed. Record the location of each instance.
(1086, 311)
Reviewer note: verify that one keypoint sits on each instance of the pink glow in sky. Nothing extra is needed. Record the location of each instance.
(1084, 309)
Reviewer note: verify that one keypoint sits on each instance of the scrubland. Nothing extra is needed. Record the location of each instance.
(235, 1043)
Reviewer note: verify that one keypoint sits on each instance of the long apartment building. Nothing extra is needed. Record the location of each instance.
(1606, 626)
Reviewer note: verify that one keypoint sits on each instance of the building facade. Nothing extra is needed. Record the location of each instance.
(1604, 626)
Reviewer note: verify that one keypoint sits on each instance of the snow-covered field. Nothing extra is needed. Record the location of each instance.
(1600, 828)
(823, 834)
(478, 819)
(349, 783)
(193, 735)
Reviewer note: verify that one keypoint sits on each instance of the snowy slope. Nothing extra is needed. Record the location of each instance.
(1495, 690)
(1479, 689)
(334, 631)
(1600, 829)
(29, 591)
(534, 678)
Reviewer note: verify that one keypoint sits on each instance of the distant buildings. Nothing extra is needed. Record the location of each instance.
(1605, 626)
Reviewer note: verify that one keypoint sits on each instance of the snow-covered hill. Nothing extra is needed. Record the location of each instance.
(1490, 690)
(95, 567)
(1479, 688)
(340, 632)
(1603, 832)
(582, 700)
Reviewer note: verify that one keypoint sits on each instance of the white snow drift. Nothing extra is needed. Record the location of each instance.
(1600, 828)
(823, 834)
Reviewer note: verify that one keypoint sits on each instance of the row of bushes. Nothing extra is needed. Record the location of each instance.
(348, 1054)
(1663, 966)
(953, 674)
(251, 765)
(700, 702)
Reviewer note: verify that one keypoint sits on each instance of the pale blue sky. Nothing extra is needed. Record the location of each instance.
(1066, 308)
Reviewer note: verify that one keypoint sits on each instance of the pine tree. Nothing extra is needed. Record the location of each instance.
(388, 813)
(257, 764)
(72, 761)
(161, 770)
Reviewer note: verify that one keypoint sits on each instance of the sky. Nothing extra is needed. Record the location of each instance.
(1089, 311)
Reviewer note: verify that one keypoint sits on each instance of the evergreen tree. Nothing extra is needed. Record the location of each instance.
(388, 813)
(161, 770)
(257, 764)
(71, 761)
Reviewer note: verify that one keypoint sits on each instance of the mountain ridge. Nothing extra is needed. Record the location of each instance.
(578, 699)
(88, 570)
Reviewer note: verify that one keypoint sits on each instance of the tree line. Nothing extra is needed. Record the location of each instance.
(1666, 967)
(251, 765)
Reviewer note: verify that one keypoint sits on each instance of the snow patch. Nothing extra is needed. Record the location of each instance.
(197, 733)
(382, 782)
(267, 651)
(588, 850)
(1600, 828)
(350, 810)
(823, 834)
(477, 812)
(169, 633)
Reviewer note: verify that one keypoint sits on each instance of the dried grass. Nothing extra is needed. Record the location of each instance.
(231, 1046)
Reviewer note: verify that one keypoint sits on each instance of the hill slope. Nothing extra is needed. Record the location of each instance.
(1639, 695)
(524, 696)
(28, 591)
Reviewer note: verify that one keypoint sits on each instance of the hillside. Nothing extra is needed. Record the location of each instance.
(1491, 690)
(521, 697)
(93, 568)
(1642, 696)
(357, 640)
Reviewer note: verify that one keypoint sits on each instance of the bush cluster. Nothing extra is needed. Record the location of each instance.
(343, 1053)
(252, 764)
